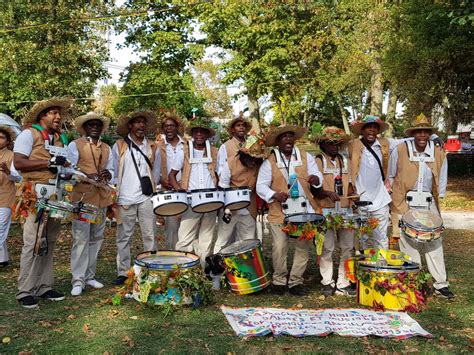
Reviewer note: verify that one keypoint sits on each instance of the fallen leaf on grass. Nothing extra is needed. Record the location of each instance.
(6, 340)
(58, 330)
(322, 297)
(24, 353)
(71, 316)
(442, 338)
(86, 328)
(148, 334)
(134, 317)
(270, 339)
(44, 323)
(113, 314)
(299, 305)
(128, 341)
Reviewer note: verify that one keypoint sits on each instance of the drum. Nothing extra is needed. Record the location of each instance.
(157, 276)
(90, 214)
(206, 200)
(244, 266)
(236, 198)
(421, 225)
(299, 220)
(170, 203)
(386, 286)
(57, 209)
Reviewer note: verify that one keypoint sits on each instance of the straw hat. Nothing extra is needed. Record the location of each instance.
(151, 122)
(170, 115)
(240, 118)
(420, 122)
(79, 122)
(357, 126)
(273, 133)
(8, 130)
(332, 134)
(255, 146)
(32, 115)
(200, 122)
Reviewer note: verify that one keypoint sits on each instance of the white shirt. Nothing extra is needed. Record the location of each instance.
(171, 154)
(130, 192)
(194, 183)
(73, 157)
(264, 179)
(24, 142)
(427, 173)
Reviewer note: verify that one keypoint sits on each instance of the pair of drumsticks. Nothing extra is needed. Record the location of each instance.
(348, 197)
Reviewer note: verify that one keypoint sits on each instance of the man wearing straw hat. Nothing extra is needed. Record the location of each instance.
(233, 172)
(169, 145)
(332, 199)
(404, 173)
(8, 177)
(194, 176)
(273, 185)
(94, 158)
(136, 164)
(36, 164)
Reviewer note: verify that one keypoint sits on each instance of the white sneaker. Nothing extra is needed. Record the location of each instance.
(216, 281)
(94, 284)
(76, 290)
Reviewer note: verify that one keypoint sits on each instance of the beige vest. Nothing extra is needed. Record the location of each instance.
(328, 182)
(39, 152)
(7, 187)
(89, 193)
(355, 152)
(279, 184)
(161, 145)
(407, 176)
(186, 173)
(240, 174)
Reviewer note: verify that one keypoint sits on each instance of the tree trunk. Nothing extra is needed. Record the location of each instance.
(376, 90)
(344, 118)
(391, 112)
(254, 110)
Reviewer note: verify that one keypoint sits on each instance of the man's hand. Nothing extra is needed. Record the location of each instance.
(165, 184)
(333, 196)
(388, 186)
(313, 180)
(280, 196)
(105, 175)
(4, 168)
(59, 161)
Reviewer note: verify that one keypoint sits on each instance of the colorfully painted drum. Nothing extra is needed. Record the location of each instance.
(421, 225)
(162, 268)
(59, 209)
(206, 200)
(300, 219)
(170, 203)
(244, 266)
(90, 214)
(236, 198)
(398, 298)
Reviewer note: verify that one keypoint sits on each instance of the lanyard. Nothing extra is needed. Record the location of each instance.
(97, 166)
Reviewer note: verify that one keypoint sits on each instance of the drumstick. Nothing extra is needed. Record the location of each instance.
(294, 182)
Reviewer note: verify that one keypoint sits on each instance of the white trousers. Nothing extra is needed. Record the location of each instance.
(379, 238)
(241, 227)
(5, 221)
(171, 231)
(198, 226)
(87, 239)
(146, 219)
(345, 239)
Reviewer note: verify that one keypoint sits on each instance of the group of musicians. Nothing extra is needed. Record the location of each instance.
(378, 170)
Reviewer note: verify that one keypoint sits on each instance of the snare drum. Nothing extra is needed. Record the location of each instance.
(244, 266)
(421, 225)
(236, 198)
(206, 200)
(300, 219)
(59, 209)
(170, 203)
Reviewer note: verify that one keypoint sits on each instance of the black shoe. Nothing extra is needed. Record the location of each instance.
(327, 290)
(444, 292)
(278, 290)
(348, 291)
(4, 264)
(52, 295)
(120, 280)
(28, 302)
(297, 291)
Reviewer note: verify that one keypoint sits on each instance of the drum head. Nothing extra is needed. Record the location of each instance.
(422, 220)
(242, 246)
(208, 207)
(302, 218)
(166, 260)
(372, 266)
(171, 209)
(238, 205)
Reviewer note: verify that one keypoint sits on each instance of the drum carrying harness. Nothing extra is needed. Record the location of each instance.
(207, 159)
(420, 198)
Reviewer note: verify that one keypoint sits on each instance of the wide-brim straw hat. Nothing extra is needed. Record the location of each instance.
(332, 134)
(273, 133)
(255, 147)
(9, 131)
(240, 118)
(357, 126)
(151, 122)
(170, 115)
(420, 122)
(203, 123)
(32, 115)
(79, 122)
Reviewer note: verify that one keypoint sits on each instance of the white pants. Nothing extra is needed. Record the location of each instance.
(346, 243)
(5, 221)
(171, 231)
(434, 255)
(241, 227)
(146, 219)
(198, 226)
(87, 239)
(379, 238)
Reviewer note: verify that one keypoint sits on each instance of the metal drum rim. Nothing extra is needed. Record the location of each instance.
(202, 204)
(152, 266)
(259, 244)
(236, 209)
(285, 220)
(174, 203)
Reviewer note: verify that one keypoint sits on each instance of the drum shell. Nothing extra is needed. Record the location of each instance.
(421, 233)
(300, 219)
(236, 198)
(245, 269)
(90, 214)
(60, 211)
(162, 274)
(207, 200)
(170, 203)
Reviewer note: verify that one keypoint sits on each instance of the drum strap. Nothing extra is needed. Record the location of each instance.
(421, 159)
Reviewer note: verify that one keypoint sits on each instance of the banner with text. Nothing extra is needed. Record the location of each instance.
(303, 322)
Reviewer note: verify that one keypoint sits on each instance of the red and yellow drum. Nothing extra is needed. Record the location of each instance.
(244, 266)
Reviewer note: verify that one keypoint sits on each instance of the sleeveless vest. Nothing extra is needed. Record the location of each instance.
(186, 173)
(355, 152)
(328, 181)
(7, 187)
